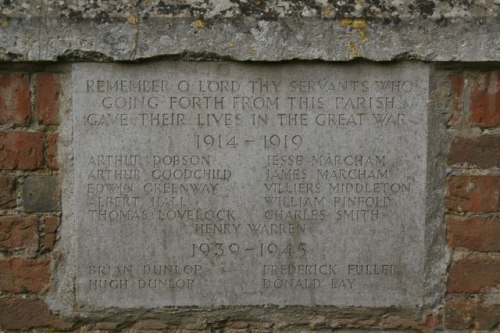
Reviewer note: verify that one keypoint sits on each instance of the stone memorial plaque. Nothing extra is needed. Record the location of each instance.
(215, 183)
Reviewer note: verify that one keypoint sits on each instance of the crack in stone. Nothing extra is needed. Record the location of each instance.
(136, 20)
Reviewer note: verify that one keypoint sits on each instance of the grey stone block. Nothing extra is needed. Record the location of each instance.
(216, 184)
(41, 194)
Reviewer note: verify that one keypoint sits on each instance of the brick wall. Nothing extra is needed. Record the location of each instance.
(29, 197)
(30, 213)
(473, 202)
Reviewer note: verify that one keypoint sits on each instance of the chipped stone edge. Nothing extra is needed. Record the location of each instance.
(61, 297)
(437, 254)
(472, 39)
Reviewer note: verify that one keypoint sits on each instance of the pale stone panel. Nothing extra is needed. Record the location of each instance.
(216, 183)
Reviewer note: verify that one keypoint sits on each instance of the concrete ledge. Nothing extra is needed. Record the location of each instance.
(249, 39)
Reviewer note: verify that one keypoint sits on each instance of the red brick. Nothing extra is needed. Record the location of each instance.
(397, 322)
(7, 192)
(14, 99)
(25, 314)
(52, 150)
(473, 193)
(21, 150)
(469, 313)
(474, 276)
(47, 98)
(474, 233)
(484, 107)
(24, 275)
(18, 233)
(457, 89)
(433, 321)
(51, 223)
(481, 152)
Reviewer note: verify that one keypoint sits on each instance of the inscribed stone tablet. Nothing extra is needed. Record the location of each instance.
(215, 184)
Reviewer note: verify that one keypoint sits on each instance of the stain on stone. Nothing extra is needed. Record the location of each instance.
(75, 15)
(426, 7)
(80, 55)
(133, 20)
(199, 23)
(176, 9)
(353, 50)
(442, 22)
(358, 24)
(102, 17)
(4, 22)
(255, 8)
(344, 8)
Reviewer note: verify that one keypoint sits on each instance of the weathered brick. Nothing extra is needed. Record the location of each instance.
(397, 322)
(7, 192)
(473, 193)
(52, 150)
(107, 325)
(47, 98)
(474, 276)
(433, 321)
(24, 314)
(474, 233)
(14, 99)
(457, 88)
(18, 233)
(51, 223)
(41, 194)
(21, 150)
(150, 324)
(484, 107)
(481, 152)
(24, 275)
(469, 313)
(190, 324)
(238, 324)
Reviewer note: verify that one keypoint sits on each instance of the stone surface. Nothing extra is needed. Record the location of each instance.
(41, 194)
(431, 30)
(225, 184)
